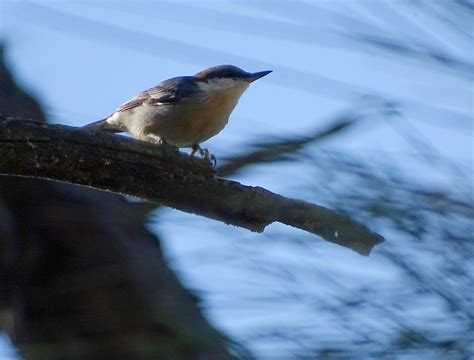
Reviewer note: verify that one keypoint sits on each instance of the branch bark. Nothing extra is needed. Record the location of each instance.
(153, 173)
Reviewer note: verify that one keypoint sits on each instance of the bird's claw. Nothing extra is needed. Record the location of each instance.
(213, 159)
(204, 154)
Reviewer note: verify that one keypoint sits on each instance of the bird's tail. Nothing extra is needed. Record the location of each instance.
(103, 125)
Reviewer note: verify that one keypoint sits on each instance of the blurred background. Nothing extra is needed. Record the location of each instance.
(369, 110)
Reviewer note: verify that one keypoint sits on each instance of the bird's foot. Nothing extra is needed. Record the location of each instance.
(204, 154)
(194, 149)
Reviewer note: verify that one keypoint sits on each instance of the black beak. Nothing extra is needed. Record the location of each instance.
(255, 76)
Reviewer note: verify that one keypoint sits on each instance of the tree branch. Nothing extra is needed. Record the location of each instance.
(153, 173)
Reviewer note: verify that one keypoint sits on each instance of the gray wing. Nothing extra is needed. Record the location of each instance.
(167, 92)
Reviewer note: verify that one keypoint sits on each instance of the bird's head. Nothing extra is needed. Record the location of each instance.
(227, 77)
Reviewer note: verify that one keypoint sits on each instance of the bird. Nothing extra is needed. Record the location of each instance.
(183, 111)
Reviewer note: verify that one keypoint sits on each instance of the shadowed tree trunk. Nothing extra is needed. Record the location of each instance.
(81, 277)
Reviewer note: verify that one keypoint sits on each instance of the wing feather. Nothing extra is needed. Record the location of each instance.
(166, 93)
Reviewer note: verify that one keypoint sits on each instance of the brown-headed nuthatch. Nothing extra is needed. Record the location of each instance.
(183, 111)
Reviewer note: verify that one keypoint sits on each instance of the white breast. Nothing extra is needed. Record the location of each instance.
(189, 122)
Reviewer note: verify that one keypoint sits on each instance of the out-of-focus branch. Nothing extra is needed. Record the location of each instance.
(152, 173)
(276, 150)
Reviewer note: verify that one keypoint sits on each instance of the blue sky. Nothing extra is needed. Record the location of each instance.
(83, 65)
